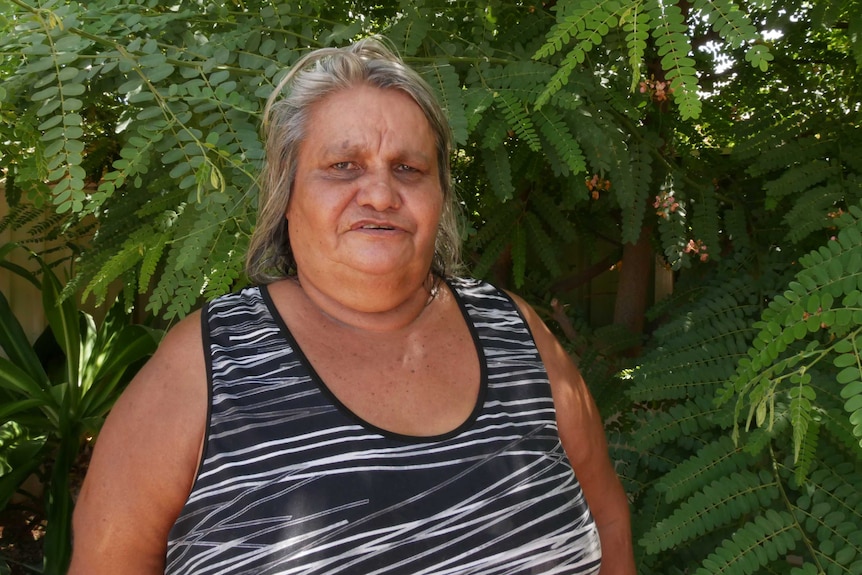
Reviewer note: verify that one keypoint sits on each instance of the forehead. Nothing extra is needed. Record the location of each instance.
(368, 116)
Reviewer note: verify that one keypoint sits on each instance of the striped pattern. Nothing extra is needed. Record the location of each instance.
(293, 483)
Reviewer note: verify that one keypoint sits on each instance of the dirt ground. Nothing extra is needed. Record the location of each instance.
(22, 525)
(21, 533)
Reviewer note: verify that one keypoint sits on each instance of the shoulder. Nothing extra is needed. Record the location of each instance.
(479, 292)
(146, 457)
(173, 383)
(582, 435)
(177, 362)
(548, 345)
(466, 284)
(504, 299)
(247, 298)
(168, 396)
(557, 361)
(578, 418)
(185, 334)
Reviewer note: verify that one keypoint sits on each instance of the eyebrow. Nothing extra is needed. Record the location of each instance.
(346, 147)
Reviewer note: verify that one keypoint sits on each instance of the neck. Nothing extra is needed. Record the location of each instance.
(376, 306)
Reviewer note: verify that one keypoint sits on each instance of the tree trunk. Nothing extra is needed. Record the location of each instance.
(635, 276)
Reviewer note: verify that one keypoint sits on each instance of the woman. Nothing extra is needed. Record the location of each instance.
(362, 411)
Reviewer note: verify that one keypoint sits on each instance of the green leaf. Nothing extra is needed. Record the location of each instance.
(21, 458)
(10, 409)
(519, 255)
(44, 94)
(447, 85)
(159, 73)
(18, 381)
(848, 375)
(499, 172)
(17, 347)
(131, 344)
(63, 318)
(519, 120)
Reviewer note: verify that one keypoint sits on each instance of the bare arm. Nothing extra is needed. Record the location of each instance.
(583, 437)
(144, 462)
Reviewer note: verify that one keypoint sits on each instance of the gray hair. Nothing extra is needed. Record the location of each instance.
(315, 76)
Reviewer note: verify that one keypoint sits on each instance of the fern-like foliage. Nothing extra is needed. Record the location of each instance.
(830, 512)
(633, 202)
(705, 224)
(180, 94)
(635, 21)
(764, 539)
(496, 161)
(519, 120)
(734, 26)
(714, 461)
(527, 231)
(585, 24)
(673, 222)
(448, 87)
(657, 27)
(63, 234)
(816, 173)
(713, 507)
(701, 347)
(409, 30)
(822, 299)
(674, 48)
(564, 152)
(764, 481)
(683, 419)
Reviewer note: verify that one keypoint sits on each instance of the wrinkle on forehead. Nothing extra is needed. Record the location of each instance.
(366, 143)
(398, 131)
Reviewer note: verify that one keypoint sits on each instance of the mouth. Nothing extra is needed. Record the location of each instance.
(372, 226)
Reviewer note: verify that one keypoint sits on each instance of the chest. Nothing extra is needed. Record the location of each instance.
(420, 384)
(422, 379)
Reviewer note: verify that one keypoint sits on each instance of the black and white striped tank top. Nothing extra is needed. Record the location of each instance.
(291, 482)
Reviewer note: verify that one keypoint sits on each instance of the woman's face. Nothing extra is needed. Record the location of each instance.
(367, 194)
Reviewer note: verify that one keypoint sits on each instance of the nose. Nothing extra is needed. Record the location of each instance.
(379, 190)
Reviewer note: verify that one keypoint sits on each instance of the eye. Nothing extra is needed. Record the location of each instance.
(343, 166)
(406, 168)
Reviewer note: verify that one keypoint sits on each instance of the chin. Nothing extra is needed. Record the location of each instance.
(386, 271)
(400, 275)
(383, 264)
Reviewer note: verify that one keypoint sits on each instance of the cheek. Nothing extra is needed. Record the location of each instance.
(297, 226)
(309, 231)
(435, 211)
(300, 216)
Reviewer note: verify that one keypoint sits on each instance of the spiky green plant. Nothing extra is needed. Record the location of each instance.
(48, 412)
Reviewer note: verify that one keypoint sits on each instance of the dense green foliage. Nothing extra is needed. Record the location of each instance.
(147, 116)
(729, 130)
(772, 468)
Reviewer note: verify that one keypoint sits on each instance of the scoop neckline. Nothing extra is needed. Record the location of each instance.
(285, 332)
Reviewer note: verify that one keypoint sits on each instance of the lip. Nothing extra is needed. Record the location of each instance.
(376, 226)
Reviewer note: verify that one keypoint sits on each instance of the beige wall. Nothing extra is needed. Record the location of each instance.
(24, 299)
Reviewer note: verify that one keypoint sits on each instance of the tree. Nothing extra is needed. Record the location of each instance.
(723, 135)
(178, 91)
